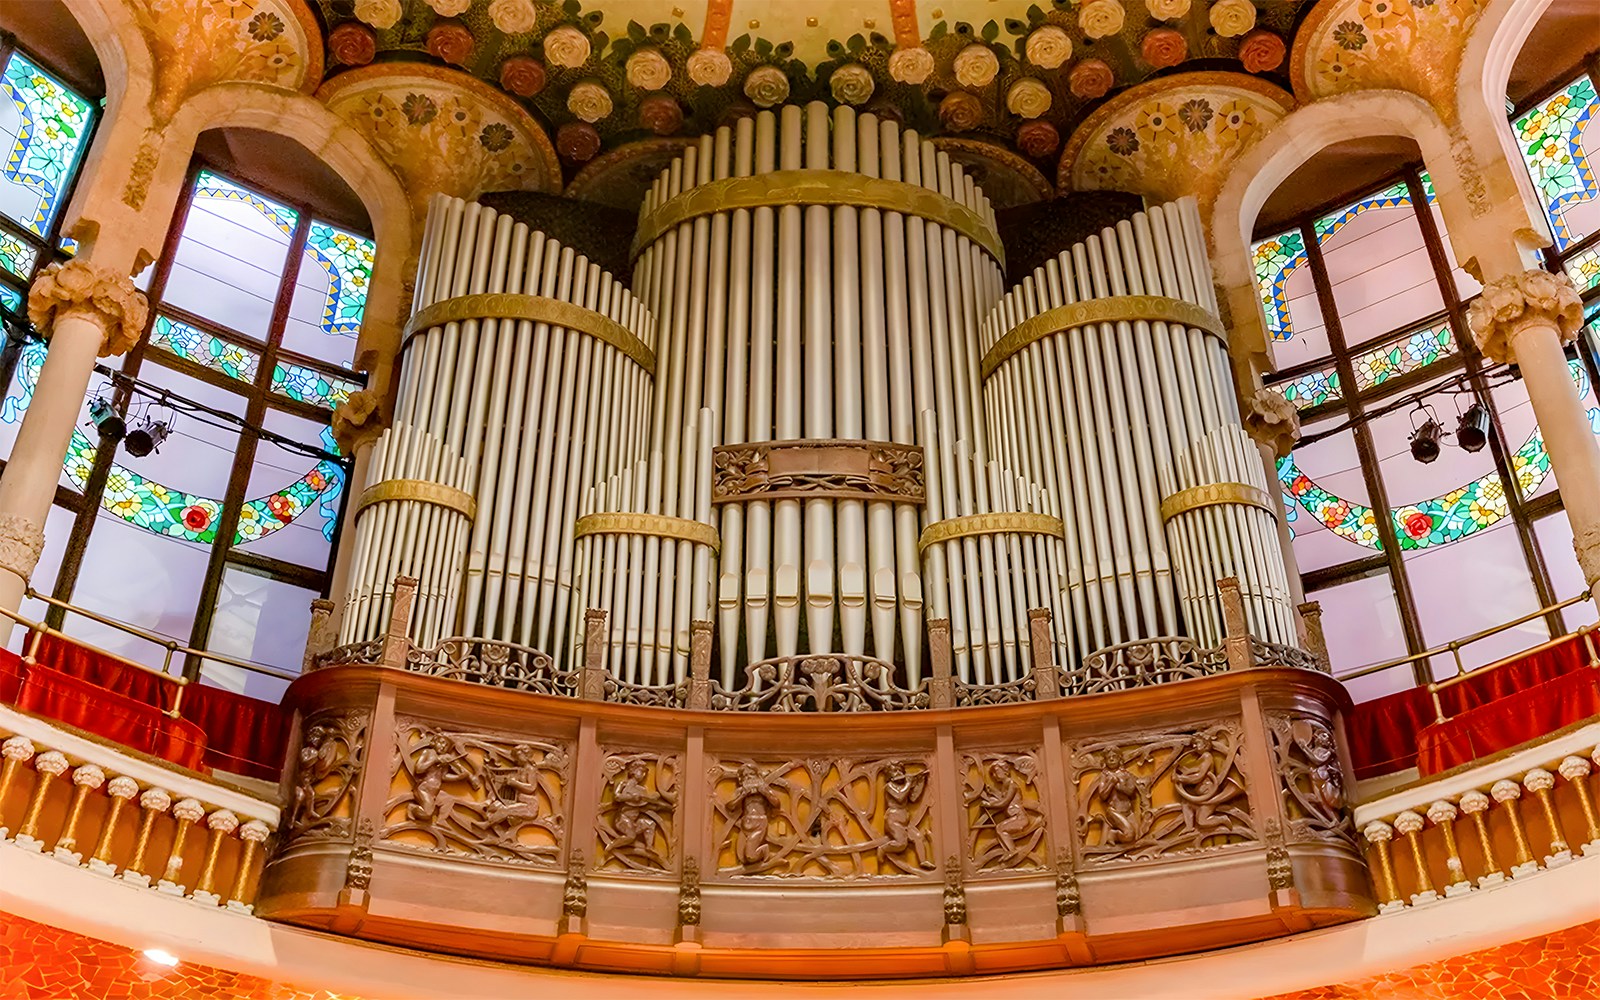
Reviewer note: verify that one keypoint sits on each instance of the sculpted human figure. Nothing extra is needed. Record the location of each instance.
(900, 791)
(754, 801)
(1203, 789)
(1124, 796)
(319, 759)
(1000, 802)
(1327, 780)
(637, 819)
(516, 798)
(438, 761)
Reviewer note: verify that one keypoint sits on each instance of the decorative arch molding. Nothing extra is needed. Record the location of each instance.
(1172, 137)
(1346, 45)
(444, 131)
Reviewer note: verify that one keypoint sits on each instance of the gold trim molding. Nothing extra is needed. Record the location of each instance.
(817, 187)
(1120, 309)
(1212, 495)
(658, 525)
(536, 309)
(422, 491)
(1002, 522)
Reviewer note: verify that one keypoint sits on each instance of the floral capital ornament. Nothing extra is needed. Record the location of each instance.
(78, 286)
(1509, 303)
(1272, 420)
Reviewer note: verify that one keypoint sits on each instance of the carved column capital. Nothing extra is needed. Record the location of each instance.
(357, 421)
(21, 541)
(1510, 303)
(1272, 421)
(80, 286)
(1586, 546)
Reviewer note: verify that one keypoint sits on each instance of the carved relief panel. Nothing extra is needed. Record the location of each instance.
(1311, 778)
(829, 818)
(636, 826)
(478, 794)
(1005, 818)
(322, 799)
(1156, 794)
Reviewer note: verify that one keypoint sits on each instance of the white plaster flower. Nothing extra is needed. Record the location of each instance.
(514, 17)
(381, 14)
(1232, 18)
(1167, 10)
(1028, 98)
(648, 69)
(449, 8)
(589, 101)
(766, 85)
(976, 65)
(852, 84)
(911, 65)
(566, 47)
(1049, 46)
(1101, 18)
(710, 67)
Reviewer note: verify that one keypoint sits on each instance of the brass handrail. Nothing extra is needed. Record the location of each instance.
(1434, 687)
(38, 630)
(1454, 647)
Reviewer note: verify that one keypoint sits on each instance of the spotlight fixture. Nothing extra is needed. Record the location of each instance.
(1425, 438)
(107, 420)
(1472, 431)
(146, 437)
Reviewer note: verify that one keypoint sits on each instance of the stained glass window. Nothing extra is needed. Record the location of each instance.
(1406, 354)
(11, 298)
(330, 295)
(1275, 260)
(230, 261)
(16, 256)
(44, 128)
(1558, 137)
(1584, 268)
(1378, 266)
(205, 349)
(1311, 389)
(308, 385)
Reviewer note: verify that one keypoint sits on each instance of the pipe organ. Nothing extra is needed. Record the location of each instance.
(816, 420)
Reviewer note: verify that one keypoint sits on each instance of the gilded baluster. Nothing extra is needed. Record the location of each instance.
(252, 833)
(1442, 814)
(85, 779)
(1507, 793)
(121, 789)
(1576, 771)
(1541, 782)
(154, 802)
(220, 824)
(1476, 805)
(188, 812)
(17, 751)
(48, 765)
(1378, 834)
(1410, 826)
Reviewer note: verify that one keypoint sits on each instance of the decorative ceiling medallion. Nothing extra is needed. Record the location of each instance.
(275, 42)
(1171, 137)
(444, 131)
(1007, 179)
(621, 177)
(1383, 44)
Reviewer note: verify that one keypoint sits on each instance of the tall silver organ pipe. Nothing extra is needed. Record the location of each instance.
(1106, 376)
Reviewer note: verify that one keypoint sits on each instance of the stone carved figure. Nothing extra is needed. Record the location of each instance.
(827, 818)
(636, 813)
(1311, 778)
(1150, 795)
(477, 794)
(1005, 822)
(325, 771)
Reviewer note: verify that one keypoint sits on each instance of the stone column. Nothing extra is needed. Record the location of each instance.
(87, 311)
(1273, 423)
(1527, 319)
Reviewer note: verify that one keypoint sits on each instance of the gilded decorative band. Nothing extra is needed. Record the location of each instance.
(536, 309)
(1121, 309)
(422, 491)
(817, 187)
(659, 525)
(817, 468)
(1213, 494)
(1004, 522)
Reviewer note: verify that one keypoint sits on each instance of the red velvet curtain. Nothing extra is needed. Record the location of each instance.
(1517, 718)
(239, 734)
(1385, 732)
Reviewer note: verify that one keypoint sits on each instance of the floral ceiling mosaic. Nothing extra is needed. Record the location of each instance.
(1019, 73)
(1413, 45)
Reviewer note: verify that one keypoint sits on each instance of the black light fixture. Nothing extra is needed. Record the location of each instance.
(1425, 437)
(107, 420)
(146, 437)
(1472, 431)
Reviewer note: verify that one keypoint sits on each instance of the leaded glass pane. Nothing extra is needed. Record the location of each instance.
(1405, 354)
(308, 385)
(1466, 285)
(1554, 536)
(297, 495)
(1559, 139)
(1456, 495)
(20, 393)
(139, 577)
(1362, 625)
(1500, 589)
(1325, 496)
(229, 263)
(260, 620)
(1378, 265)
(330, 295)
(1584, 269)
(206, 349)
(17, 255)
(1311, 389)
(44, 128)
(11, 298)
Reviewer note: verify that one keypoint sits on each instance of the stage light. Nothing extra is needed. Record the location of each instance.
(146, 437)
(107, 420)
(1425, 441)
(161, 957)
(1472, 432)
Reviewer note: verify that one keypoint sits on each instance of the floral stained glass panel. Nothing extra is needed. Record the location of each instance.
(11, 298)
(330, 295)
(308, 385)
(1403, 355)
(1558, 138)
(1274, 260)
(205, 349)
(44, 128)
(1584, 269)
(17, 255)
(229, 263)
(1312, 389)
